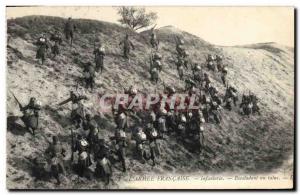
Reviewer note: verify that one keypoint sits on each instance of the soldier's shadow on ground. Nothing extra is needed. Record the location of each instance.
(14, 127)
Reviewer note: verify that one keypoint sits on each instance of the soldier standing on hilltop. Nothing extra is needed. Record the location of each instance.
(127, 45)
(69, 30)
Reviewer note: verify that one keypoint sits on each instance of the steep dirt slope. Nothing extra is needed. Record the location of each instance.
(240, 144)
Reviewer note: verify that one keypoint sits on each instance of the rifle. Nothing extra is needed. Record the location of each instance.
(152, 29)
(20, 105)
(64, 102)
(151, 61)
(72, 146)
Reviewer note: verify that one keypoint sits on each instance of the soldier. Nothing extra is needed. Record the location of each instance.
(89, 75)
(171, 121)
(152, 136)
(31, 114)
(223, 75)
(231, 92)
(155, 61)
(219, 62)
(91, 126)
(205, 109)
(77, 113)
(84, 159)
(153, 41)
(161, 123)
(127, 45)
(99, 53)
(206, 81)
(197, 73)
(255, 108)
(179, 47)
(69, 30)
(181, 126)
(154, 75)
(141, 138)
(120, 145)
(103, 164)
(191, 125)
(180, 67)
(215, 111)
(210, 62)
(43, 46)
(57, 154)
(57, 39)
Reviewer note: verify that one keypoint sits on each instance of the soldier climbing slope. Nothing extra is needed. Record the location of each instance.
(30, 114)
(127, 46)
(154, 41)
(91, 126)
(43, 46)
(84, 159)
(103, 164)
(99, 53)
(56, 153)
(120, 145)
(77, 113)
(57, 39)
(89, 75)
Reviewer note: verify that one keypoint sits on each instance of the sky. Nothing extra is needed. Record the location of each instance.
(225, 26)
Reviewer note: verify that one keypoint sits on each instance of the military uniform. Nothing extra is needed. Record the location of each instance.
(223, 75)
(42, 44)
(127, 45)
(31, 115)
(141, 138)
(69, 30)
(89, 75)
(57, 39)
(154, 41)
(99, 58)
(153, 136)
(91, 126)
(120, 145)
(84, 160)
(77, 113)
(57, 154)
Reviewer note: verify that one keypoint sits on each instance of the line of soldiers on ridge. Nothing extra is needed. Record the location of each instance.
(91, 148)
